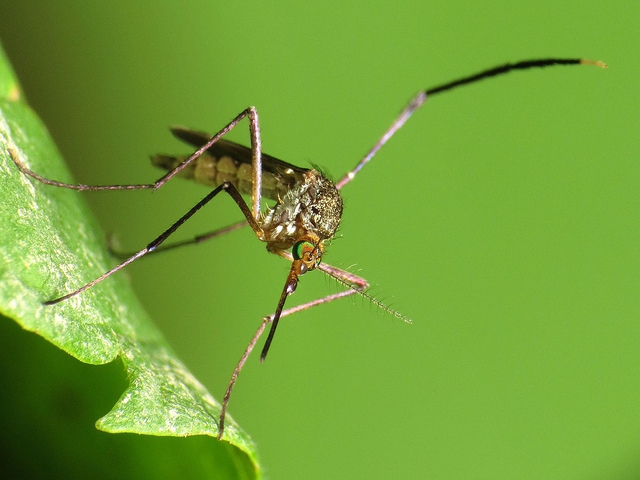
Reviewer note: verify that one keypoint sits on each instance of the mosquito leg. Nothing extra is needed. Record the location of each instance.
(236, 372)
(89, 188)
(256, 156)
(256, 162)
(228, 187)
(129, 260)
(509, 67)
(313, 303)
(417, 101)
(193, 241)
(256, 147)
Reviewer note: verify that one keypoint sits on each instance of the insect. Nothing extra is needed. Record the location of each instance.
(306, 213)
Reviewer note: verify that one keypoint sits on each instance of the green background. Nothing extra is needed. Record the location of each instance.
(502, 219)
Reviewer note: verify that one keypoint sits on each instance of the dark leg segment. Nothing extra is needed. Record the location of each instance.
(193, 241)
(228, 187)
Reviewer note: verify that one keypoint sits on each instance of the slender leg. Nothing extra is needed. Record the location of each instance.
(227, 187)
(254, 130)
(193, 241)
(416, 102)
(313, 303)
(256, 154)
(80, 187)
(236, 372)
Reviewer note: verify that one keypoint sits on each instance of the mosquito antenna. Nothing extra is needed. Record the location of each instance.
(417, 101)
(355, 288)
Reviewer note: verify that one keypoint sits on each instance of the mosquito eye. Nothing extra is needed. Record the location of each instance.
(302, 249)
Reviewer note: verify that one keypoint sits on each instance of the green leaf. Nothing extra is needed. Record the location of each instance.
(50, 245)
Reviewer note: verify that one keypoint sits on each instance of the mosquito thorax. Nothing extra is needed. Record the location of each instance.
(311, 209)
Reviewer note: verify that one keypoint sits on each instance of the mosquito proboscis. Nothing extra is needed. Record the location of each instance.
(306, 213)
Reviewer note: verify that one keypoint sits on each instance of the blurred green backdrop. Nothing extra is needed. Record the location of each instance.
(502, 219)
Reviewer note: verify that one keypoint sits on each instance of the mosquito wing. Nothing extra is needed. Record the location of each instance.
(227, 161)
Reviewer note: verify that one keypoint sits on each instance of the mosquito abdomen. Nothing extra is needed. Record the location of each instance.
(212, 171)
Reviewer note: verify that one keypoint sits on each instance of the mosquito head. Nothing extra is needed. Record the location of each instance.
(307, 254)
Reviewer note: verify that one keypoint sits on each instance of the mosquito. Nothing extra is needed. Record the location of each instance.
(306, 213)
